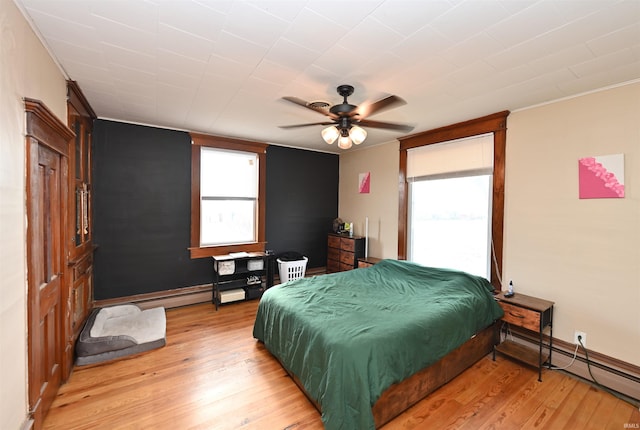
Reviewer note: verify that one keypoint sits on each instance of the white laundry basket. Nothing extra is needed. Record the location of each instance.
(290, 270)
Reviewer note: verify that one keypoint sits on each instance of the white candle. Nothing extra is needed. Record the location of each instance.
(366, 237)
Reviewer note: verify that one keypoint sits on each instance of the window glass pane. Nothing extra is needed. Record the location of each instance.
(228, 173)
(450, 223)
(227, 221)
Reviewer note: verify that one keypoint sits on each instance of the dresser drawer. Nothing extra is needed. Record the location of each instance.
(343, 251)
(348, 258)
(333, 266)
(347, 244)
(333, 254)
(333, 242)
(345, 267)
(521, 317)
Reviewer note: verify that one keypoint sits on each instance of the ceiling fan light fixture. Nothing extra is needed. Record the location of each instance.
(319, 104)
(344, 142)
(345, 116)
(330, 134)
(357, 134)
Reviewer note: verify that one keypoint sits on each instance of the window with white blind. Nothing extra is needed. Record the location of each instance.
(228, 187)
(449, 204)
(229, 197)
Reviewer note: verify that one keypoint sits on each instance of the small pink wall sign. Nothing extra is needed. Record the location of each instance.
(601, 177)
(364, 182)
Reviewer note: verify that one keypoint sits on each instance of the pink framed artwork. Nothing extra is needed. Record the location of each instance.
(601, 177)
(364, 183)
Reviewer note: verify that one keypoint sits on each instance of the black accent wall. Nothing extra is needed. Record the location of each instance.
(302, 201)
(141, 196)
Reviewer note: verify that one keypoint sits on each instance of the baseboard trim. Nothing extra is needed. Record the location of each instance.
(168, 299)
(179, 297)
(27, 424)
(611, 373)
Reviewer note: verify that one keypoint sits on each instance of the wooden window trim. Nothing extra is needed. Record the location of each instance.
(198, 140)
(495, 123)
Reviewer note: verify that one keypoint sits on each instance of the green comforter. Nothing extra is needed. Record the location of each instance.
(349, 336)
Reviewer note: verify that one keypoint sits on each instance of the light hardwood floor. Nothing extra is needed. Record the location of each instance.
(212, 374)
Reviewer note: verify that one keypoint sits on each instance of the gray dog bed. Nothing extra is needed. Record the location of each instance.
(118, 331)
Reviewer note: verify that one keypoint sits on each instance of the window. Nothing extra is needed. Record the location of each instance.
(450, 223)
(227, 196)
(474, 204)
(450, 204)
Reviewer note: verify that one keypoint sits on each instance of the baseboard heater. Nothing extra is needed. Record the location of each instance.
(613, 374)
(168, 299)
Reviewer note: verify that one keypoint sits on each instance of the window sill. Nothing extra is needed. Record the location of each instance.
(210, 251)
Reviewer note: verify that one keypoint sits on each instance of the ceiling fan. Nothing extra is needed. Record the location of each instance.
(347, 119)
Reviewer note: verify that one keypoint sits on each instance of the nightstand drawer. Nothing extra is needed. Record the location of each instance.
(521, 317)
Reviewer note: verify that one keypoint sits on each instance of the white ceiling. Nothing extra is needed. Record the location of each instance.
(222, 67)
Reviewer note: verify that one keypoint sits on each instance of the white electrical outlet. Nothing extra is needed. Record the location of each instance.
(583, 338)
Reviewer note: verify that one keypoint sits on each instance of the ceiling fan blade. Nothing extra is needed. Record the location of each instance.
(381, 105)
(388, 125)
(305, 104)
(307, 125)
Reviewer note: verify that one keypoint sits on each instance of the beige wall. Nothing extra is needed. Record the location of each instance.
(26, 70)
(381, 204)
(581, 254)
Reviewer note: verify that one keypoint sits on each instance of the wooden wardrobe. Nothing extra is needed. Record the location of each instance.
(59, 246)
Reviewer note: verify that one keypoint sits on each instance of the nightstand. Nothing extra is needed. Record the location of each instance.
(368, 261)
(533, 314)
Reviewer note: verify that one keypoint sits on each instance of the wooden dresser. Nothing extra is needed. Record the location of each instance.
(343, 252)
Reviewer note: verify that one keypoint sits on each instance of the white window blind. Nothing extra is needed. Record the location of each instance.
(461, 155)
(228, 173)
(228, 197)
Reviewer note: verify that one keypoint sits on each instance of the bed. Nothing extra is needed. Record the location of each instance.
(368, 343)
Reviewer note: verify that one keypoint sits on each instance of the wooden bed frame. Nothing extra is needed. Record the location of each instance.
(401, 396)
